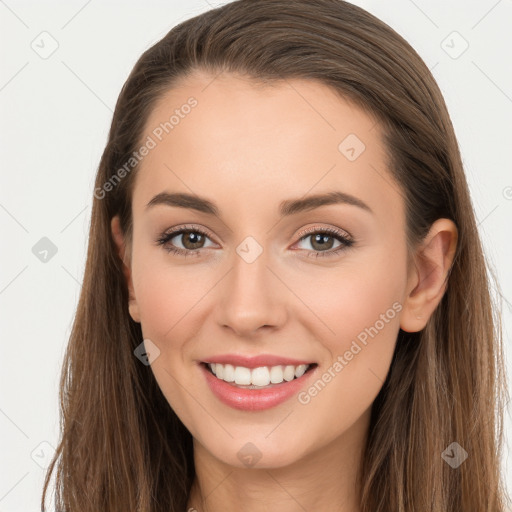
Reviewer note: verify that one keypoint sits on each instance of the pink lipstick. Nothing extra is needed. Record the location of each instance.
(256, 398)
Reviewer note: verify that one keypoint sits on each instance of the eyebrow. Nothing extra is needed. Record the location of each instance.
(286, 208)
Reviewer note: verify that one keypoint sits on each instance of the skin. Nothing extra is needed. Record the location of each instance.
(247, 148)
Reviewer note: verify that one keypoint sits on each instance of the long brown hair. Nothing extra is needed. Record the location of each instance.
(123, 448)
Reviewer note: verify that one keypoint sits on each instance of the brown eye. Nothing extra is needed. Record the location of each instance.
(191, 240)
(322, 241)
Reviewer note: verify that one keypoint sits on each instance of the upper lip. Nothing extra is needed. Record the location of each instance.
(255, 361)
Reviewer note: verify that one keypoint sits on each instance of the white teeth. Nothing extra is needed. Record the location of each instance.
(258, 377)
(300, 370)
(289, 373)
(276, 374)
(242, 375)
(229, 373)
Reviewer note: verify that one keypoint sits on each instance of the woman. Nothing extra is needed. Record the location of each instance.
(285, 304)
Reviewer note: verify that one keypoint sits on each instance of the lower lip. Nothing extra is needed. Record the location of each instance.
(254, 399)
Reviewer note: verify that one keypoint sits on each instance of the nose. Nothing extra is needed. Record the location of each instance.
(252, 298)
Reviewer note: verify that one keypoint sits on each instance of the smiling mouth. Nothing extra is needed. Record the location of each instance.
(257, 378)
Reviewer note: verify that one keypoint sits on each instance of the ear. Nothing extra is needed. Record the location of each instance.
(118, 236)
(428, 278)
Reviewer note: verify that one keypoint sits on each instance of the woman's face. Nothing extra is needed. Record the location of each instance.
(271, 272)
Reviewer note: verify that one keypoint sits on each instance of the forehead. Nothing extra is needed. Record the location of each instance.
(229, 100)
(246, 142)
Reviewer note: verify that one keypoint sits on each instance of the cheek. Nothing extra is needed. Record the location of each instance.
(165, 293)
(363, 292)
(363, 311)
(360, 305)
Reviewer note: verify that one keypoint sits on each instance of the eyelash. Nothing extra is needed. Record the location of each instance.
(346, 242)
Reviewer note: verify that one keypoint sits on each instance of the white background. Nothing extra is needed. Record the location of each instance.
(55, 115)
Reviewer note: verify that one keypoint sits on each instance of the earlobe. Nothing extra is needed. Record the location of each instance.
(427, 283)
(117, 235)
